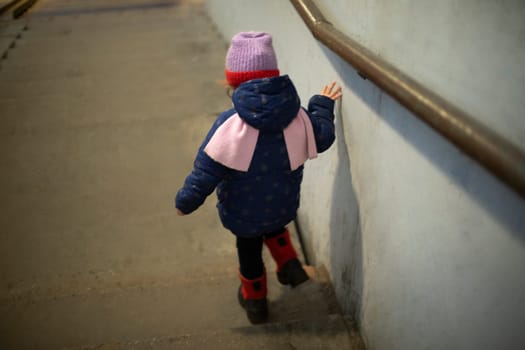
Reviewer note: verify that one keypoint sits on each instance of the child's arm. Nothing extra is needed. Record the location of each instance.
(203, 179)
(321, 112)
(199, 184)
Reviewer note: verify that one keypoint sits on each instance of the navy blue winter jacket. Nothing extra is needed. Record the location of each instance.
(266, 197)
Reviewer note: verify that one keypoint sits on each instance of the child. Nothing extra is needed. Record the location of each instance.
(254, 155)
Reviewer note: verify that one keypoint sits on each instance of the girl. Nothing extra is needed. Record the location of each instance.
(254, 155)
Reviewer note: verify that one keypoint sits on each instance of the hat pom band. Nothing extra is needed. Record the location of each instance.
(237, 78)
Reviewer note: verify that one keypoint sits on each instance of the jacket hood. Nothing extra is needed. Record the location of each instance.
(267, 104)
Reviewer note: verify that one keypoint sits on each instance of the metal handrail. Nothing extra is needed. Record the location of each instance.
(490, 150)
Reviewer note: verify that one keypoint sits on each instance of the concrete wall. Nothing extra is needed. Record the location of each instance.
(424, 247)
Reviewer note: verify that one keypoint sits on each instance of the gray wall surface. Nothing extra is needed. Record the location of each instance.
(424, 247)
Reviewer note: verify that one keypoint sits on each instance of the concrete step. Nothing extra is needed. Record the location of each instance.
(10, 34)
(75, 83)
(193, 52)
(71, 260)
(113, 314)
(172, 19)
(38, 120)
(11, 28)
(34, 71)
(83, 263)
(329, 333)
(133, 38)
(85, 26)
(120, 314)
(71, 8)
(150, 14)
(112, 48)
(6, 43)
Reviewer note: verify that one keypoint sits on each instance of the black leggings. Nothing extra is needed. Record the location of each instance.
(249, 250)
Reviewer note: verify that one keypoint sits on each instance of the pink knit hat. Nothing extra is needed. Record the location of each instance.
(250, 56)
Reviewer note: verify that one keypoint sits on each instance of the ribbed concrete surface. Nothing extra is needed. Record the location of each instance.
(103, 105)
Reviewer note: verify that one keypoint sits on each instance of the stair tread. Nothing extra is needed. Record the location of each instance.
(329, 332)
(118, 312)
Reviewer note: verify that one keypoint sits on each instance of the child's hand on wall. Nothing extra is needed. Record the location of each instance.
(332, 91)
(180, 213)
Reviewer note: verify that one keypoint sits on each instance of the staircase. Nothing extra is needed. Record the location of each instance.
(103, 105)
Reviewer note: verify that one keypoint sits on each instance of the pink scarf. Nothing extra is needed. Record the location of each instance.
(233, 143)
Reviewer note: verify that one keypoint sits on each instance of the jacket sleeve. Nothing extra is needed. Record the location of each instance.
(203, 179)
(321, 113)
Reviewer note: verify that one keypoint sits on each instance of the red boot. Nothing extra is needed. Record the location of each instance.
(289, 269)
(252, 297)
